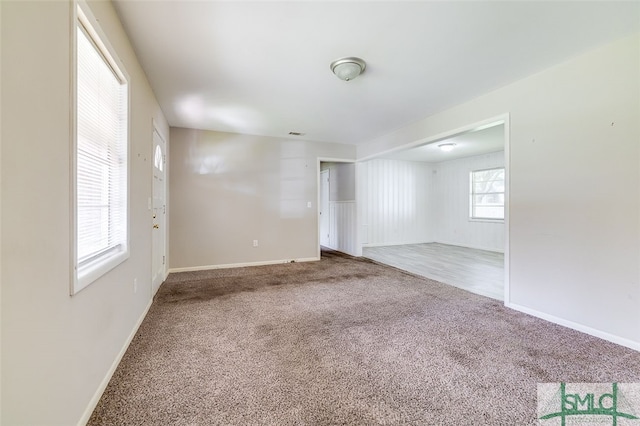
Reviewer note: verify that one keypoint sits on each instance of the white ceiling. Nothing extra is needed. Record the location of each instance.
(263, 67)
(467, 145)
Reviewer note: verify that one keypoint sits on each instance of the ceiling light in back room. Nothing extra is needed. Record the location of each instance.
(348, 68)
(446, 147)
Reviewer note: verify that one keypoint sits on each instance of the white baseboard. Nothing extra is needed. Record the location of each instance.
(103, 385)
(241, 265)
(432, 242)
(471, 246)
(576, 326)
(395, 244)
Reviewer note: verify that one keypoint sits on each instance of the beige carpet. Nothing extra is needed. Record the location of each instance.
(342, 341)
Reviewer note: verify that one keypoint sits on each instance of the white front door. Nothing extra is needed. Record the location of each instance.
(158, 255)
(324, 208)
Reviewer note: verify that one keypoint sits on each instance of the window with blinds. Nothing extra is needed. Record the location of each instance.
(487, 194)
(101, 178)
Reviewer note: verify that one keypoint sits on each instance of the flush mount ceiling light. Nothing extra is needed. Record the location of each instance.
(348, 68)
(446, 147)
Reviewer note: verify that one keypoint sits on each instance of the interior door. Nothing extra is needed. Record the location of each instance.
(324, 208)
(159, 212)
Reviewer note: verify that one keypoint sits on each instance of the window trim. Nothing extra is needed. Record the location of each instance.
(472, 218)
(81, 15)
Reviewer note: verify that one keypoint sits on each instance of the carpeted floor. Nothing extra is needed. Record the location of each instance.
(342, 341)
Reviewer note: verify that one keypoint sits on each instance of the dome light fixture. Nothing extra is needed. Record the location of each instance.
(446, 147)
(348, 68)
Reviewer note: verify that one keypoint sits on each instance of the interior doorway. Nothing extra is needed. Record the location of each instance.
(337, 209)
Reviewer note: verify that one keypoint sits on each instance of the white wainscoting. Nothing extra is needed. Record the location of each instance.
(342, 226)
(395, 198)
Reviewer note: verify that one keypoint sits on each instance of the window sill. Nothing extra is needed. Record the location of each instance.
(90, 273)
(501, 221)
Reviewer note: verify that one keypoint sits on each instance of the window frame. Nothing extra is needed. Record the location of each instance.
(83, 17)
(473, 218)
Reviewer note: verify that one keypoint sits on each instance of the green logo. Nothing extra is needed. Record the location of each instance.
(591, 403)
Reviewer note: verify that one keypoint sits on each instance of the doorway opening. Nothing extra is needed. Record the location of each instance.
(337, 208)
(440, 208)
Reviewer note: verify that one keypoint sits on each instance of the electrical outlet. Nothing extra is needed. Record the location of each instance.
(255, 243)
(135, 285)
(309, 204)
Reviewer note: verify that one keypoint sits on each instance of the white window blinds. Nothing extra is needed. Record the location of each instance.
(101, 160)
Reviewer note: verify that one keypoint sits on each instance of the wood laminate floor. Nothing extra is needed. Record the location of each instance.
(478, 271)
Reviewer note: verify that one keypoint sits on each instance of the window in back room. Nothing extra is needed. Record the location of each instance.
(487, 194)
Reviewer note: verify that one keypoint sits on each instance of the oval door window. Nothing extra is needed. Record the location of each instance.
(157, 158)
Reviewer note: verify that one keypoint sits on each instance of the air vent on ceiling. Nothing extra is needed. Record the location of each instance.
(296, 134)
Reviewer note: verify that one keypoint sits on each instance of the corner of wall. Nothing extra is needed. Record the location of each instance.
(1, 321)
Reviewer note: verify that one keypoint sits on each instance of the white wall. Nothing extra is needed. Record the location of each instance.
(408, 202)
(395, 202)
(57, 350)
(449, 181)
(230, 189)
(575, 186)
(342, 181)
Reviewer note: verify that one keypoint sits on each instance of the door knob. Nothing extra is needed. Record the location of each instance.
(156, 226)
